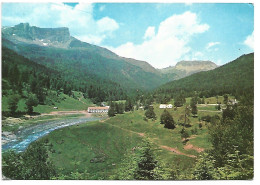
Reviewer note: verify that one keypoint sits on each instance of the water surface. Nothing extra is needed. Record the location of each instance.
(29, 134)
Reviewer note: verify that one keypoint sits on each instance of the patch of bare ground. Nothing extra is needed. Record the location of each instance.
(175, 150)
(140, 134)
(192, 147)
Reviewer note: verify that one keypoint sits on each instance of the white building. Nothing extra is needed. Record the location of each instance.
(98, 109)
(165, 106)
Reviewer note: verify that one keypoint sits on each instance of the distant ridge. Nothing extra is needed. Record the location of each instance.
(234, 77)
(186, 68)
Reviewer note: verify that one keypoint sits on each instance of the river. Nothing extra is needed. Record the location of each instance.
(27, 135)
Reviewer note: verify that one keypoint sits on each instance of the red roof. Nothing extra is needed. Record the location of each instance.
(98, 108)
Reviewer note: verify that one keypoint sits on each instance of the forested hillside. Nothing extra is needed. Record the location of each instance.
(25, 79)
(236, 77)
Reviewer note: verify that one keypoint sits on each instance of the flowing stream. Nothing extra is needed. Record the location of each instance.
(29, 134)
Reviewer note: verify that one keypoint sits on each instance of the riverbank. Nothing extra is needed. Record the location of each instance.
(21, 138)
(12, 126)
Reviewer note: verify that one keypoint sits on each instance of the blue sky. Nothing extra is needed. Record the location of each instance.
(159, 33)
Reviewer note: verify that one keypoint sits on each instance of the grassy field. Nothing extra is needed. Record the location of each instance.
(96, 147)
(207, 107)
(108, 141)
(65, 103)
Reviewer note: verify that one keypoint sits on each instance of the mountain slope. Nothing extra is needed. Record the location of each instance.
(186, 68)
(20, 74)
(55, 48)
(234, 77)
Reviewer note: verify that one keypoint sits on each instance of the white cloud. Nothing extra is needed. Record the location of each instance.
(150, 32)
(169, 44)
(212, 44)
(78, 19)
(250, 41)
(101, 8)
(107, 24)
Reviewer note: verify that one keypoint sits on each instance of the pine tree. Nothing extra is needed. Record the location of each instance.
(167, 120)
(146, 164)
(193, 104)
(150, 113)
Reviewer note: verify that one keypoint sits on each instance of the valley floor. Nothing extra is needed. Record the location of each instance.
(101, 148)
(109, 142)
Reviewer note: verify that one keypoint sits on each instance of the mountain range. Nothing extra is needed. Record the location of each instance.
(235, 77)
(186, 68)
(55, 48)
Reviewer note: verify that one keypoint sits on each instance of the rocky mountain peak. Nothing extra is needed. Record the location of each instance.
(32, 34)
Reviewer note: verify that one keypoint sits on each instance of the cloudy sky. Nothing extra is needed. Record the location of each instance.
(161, 34)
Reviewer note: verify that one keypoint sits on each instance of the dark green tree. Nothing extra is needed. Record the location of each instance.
(129, 106)
(111, 111)
(121, 108)
(185, 117)
(146, 164)
(193, 104)
(31, 102)
(14, 75)
(167, 120)
(13, 103)
(229, 112)
(179, 100)
(149, 113)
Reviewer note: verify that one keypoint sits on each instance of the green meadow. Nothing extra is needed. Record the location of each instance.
(99, 148)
